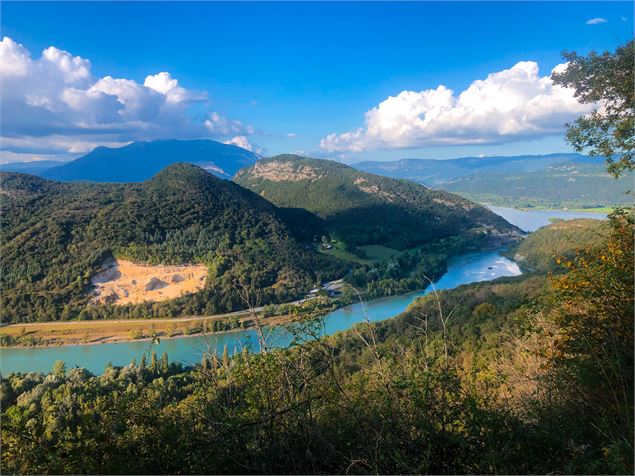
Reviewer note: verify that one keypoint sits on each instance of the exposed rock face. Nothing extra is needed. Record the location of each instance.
(123, 282)
(284, 171)
(365, 187)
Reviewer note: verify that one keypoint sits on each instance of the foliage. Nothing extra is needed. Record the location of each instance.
(606, 80)
(55, 236)
(434, 390)
(562, 239)
(365, 209)
(593, 350)
(410, 270)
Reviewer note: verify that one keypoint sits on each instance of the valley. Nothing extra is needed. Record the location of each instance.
(233, 328)
(316, 238)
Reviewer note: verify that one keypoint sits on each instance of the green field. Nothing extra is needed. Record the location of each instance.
(375, 253)
(379, 253)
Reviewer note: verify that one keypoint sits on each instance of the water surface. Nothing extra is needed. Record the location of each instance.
(532, 220)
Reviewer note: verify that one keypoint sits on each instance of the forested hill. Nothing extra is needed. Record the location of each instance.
(542, 250)
(141, 160)
(55, 236)
(362, 208)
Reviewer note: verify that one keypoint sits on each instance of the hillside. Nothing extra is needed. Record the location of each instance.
(562, 239)
(363, 209)
(555, 180)
(57, 236)
(139, 161)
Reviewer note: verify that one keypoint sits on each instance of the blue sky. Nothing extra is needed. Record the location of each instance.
(283, 76)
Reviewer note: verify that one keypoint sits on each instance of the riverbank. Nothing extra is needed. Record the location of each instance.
(58, 334)
(545, 208)
(73, 333)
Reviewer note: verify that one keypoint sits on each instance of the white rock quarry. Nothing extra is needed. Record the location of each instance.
(124, 282)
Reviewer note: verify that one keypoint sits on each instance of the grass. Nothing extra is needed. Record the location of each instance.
(338, 251)
(87, 332)
(374, 253)
(606, 210)
(380, 253)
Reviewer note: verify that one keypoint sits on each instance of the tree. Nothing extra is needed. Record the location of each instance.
(153, 362)
(59, 368)
(605, 80)
(593, 351)
(165, 363)
(225, 357)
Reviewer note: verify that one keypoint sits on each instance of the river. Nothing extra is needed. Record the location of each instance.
(468, 268)
(465, 269)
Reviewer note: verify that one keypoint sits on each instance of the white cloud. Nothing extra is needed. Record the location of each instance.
(596, 21)
(513, 104)
(222, 126)
(168, 86)
(243, 141)
(14, 58)
(55, 99)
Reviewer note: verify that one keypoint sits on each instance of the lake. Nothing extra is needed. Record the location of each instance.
(532, 220)
(468, 268)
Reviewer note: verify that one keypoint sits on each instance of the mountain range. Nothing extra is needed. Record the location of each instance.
(57, 236)
(553, 181)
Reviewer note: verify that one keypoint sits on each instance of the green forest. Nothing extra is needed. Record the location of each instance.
(361, 208)
(57, 235)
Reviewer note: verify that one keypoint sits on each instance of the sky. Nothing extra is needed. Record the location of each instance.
(348, 81)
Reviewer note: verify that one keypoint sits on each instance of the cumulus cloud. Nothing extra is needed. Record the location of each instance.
(513, 104)
(54, 101)
(243, 141)
(222, 126)
(596, 21)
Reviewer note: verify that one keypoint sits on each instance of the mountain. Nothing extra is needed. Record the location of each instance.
(139, 161)
(363, 209)
(433, 172)
(35, 167)
(555, 180)
(57, 236)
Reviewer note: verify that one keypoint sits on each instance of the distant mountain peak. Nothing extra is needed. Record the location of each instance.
(138, 161)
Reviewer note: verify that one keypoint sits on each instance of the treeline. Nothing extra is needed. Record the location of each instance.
(547, 247)
(518, 376)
